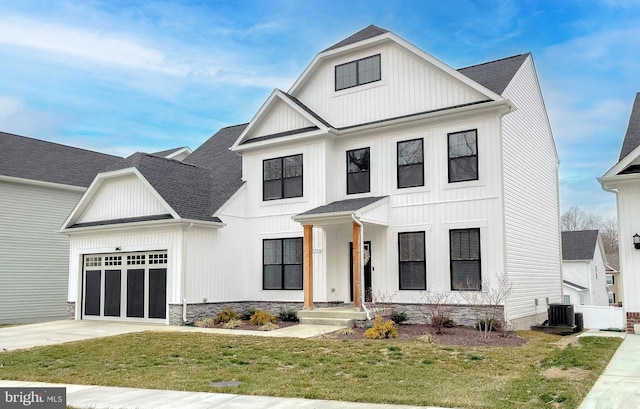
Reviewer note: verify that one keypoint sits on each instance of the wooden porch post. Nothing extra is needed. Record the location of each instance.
(307, 267)
(357, 259)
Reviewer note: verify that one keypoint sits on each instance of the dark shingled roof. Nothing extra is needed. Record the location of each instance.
(225, 166)
(364, 34)
(578, 286)
(632, 137)
(29, 158)
(186, 188)
(579, 245)
(495, 75)
(343, 206)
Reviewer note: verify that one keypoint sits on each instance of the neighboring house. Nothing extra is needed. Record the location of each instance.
(175, 153)
(584, 274)
(614, 280)
(40, 183)
(381, 171)
(623, 179)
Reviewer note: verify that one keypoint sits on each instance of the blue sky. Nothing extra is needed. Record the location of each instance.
(126, 76)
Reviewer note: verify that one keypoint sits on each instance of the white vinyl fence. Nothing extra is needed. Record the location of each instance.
(599, 317)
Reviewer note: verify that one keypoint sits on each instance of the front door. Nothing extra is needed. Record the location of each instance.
(366, 261)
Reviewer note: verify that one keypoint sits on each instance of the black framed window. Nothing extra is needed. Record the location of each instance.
(358, 178)
(282, 264)
(358, 72)
(282, 177)
(463, 156)
(410, 163)
(464, 246)
(411, 254)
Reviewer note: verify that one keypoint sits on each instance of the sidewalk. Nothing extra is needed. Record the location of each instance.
(619, 385)
(104, 397)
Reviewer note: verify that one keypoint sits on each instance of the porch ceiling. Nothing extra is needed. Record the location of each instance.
(373, 210)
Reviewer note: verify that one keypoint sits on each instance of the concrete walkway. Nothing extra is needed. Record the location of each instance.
(103, 397)
(619, 385)
(58, 332)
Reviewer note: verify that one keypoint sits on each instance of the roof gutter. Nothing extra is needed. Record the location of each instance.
(145, 224)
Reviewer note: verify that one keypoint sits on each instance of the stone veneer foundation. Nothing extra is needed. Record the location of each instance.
(71, 310)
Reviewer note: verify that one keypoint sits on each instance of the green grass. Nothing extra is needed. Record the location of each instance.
(393, 371)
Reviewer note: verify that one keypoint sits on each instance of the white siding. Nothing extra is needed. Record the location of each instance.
(280, 118)
(531, 198)
(599, 295)
(123, 197)
(409, 85)
(628, 198)
(33, 256)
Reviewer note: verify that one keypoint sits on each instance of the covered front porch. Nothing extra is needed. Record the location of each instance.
(345, 223)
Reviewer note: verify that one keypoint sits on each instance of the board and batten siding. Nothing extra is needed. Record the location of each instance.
(628, 197)
(123, 197)
(531, 214)
(280, 118)
(409, 84)
(34, 259)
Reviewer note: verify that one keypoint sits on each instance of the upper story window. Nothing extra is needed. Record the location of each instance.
(282, 177)
(464, 247)
(410, 163)
(358, 72)
(358, 178)
(463, 156)
(610, 280)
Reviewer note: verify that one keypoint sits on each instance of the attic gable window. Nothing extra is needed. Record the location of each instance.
(282, 177)
(358, 72)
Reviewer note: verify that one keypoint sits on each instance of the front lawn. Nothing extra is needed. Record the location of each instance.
(546, 372)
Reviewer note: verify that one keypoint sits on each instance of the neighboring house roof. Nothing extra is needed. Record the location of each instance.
(343, 206)
(34, 159)
(632, 137)
(574, 285)
(579, 245)
(364, 34)
(613, 262)
(495, 75)
(186, 188)
(175, 153)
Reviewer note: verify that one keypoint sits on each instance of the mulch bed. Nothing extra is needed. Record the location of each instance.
(459, 335)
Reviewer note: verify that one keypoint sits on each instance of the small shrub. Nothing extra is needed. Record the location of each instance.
(381, 329)
(440, 322)
(269, 326)
(246, 315)
(450, 323)
(494, 325)
(426, 338)
(233, 323)
(205, 323)
(262, 317)
(288, 315)
(398, 317)
(226, 315)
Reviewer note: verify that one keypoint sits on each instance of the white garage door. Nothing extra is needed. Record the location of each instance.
(125, 286)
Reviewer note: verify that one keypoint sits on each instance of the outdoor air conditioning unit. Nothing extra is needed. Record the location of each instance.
(561, 315)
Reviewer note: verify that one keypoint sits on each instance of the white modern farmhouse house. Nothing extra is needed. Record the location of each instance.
(381, 170)
(623, 179)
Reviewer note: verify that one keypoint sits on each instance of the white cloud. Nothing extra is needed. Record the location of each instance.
(18, 118)
(89, 44)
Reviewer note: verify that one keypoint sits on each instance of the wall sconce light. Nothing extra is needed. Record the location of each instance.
(636, 241)
(118, 248)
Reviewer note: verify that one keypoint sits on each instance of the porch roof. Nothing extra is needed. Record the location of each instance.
(575, 286)
(366, 209)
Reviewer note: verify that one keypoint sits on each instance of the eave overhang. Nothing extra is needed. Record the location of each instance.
(40, 183)
(149, 224)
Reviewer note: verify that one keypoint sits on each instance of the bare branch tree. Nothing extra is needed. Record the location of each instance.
(487, 304)
(574, 219)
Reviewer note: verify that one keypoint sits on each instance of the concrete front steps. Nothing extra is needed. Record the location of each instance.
(337, 316)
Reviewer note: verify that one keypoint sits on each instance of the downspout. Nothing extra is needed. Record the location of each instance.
(361, 267)
(183, 267)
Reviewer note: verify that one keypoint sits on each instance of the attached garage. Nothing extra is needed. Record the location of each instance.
(127, 286)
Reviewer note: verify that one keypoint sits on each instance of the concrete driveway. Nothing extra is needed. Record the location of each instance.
(57, 332)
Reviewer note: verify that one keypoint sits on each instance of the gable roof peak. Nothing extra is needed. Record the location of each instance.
(632, 136)
(495, 75)
(364, 34)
